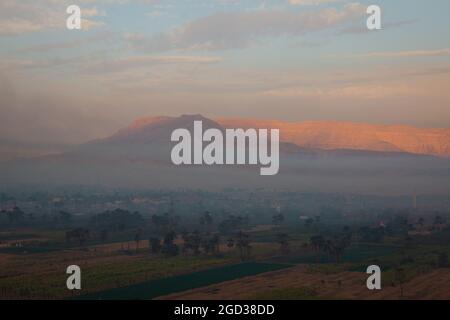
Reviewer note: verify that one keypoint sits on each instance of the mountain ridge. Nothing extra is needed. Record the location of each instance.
(139, 157)
(330, 135)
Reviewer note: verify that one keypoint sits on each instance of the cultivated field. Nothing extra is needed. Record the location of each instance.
(300, 282)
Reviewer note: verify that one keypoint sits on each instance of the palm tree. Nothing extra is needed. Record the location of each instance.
(283, 240)
(104, 235)
(243, 243)
(163, 223)
(206, 219)
(192, 242)
(169, 247)
(155, 245)
(438, 222)
(400, 276)
(80, 234)
(338, 249)
(215, 243)
(317, 243)
(328, 247)
(343, 242)
(206, 245)
(169, 237)
(137, 238)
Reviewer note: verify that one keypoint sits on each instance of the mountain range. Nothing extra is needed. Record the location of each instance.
(329, 135)
(314, 156)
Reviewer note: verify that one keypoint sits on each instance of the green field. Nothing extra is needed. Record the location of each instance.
(354, 253)
(27, 250)
(155, 288)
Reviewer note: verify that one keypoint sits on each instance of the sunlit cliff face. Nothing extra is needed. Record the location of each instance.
(340, 135)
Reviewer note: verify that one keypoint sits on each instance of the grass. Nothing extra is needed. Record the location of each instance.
(27, 250)
(38, 271)
(44, 275)
(159, 287)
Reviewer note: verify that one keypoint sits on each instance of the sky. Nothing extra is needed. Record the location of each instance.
(292, 60)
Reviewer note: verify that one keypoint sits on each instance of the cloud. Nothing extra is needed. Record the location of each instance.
(383, 84)
(232, 30)
(95, 65)
(312, 2)
(362, 29)
(402, 54)
(366, 91)
(155, 13)
(122, 64)
(98, 38)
